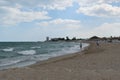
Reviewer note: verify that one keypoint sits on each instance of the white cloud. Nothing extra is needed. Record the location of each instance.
(99, 8)
(61, 23)
(12, 16)
(92, 2)
(108, 29)
(57, 4)
(105, 30)
(59, 27)
(17, 11)
(13, 12)
(46, 4)
(74, 28)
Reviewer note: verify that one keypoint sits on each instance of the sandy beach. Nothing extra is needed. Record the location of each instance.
(95, 63)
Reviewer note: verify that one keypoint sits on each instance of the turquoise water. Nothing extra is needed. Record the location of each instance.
(19, 54)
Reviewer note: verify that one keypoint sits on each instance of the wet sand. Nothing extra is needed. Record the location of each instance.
(95, 63)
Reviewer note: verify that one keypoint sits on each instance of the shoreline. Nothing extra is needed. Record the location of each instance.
(34, 55)
(96, 63)
(63, 55)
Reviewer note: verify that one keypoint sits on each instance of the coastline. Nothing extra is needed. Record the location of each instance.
(94, 63)
(62, 57)
(36, 53)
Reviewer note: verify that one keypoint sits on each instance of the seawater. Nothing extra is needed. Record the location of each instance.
(20, 54)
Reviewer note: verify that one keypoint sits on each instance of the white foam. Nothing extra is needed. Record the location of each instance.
(27, 52)
(36, 47)
(10, 62)
(8, 49)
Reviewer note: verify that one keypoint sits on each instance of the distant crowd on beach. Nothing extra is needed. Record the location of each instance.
(96, 39)
(106, 39)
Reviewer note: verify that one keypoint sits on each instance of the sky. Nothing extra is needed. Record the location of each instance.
(34, 20)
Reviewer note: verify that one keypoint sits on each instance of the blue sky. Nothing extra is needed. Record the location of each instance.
(33, 20)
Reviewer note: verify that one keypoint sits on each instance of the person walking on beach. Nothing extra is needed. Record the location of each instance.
(80, 45)
(97, 43)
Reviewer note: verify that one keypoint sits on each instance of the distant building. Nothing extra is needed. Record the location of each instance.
(47, 38)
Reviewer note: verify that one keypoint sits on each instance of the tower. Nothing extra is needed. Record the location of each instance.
(47, 38)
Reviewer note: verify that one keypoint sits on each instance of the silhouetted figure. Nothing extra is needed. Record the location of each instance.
(97, 43)
(80, 45)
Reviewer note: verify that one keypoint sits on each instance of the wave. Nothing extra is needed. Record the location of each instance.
(8, 49)
(36, 47)
(27, 52)
(34, 53)
(8, 62)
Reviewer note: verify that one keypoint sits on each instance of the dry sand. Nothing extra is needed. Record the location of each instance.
(97, 63)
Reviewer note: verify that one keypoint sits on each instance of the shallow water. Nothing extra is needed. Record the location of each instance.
(19, 54)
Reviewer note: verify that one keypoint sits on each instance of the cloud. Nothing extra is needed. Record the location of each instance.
(46, 4)
(53, 28)
(55, 4)
(12, 16)
(94, 2)
(59, 27)
(13, 12)
(99, 8)
(59, 21)
(106, 29)
(66, 23)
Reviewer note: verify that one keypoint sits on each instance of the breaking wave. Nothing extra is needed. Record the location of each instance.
(27, 52)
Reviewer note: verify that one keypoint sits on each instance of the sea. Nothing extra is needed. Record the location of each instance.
(20, 54)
